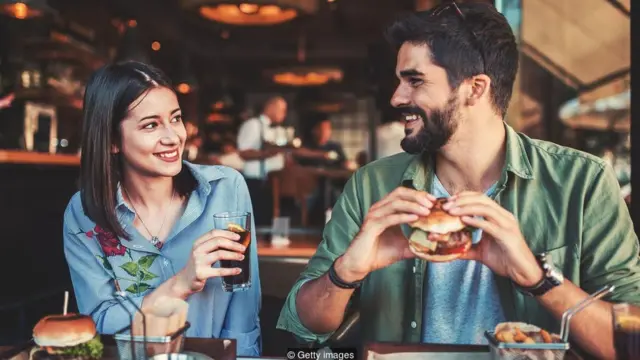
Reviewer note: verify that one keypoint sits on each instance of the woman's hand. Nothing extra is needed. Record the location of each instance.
(207, 250)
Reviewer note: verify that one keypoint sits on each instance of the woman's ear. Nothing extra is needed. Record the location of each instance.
(480, 85)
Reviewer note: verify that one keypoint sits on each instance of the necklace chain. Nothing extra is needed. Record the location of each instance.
(155, 240)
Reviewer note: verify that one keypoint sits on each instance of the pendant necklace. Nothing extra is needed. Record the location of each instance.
(155, 240)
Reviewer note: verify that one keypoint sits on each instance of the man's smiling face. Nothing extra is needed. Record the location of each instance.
(429, 106)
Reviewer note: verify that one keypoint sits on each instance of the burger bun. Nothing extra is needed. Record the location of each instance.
(64, 330)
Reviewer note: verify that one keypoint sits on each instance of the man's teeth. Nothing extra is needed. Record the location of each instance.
(168, 155)
(411, 117)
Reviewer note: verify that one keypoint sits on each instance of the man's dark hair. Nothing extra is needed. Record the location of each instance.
(492, 51)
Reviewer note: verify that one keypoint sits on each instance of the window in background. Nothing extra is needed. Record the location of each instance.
(352, 129)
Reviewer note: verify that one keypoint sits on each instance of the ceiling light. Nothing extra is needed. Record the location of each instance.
(24, 9)
(251, 12)
(306, 76)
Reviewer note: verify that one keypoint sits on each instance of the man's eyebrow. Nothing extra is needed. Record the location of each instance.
(410, 72)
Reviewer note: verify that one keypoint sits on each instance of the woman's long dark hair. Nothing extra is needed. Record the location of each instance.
(109, 93)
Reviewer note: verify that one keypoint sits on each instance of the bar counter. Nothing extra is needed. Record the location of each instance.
(36, 158)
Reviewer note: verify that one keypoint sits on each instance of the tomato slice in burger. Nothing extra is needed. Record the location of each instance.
(454, 250)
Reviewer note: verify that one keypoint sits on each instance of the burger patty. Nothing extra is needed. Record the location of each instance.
(450, 240)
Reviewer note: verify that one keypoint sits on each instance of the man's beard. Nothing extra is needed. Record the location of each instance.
(436, 131)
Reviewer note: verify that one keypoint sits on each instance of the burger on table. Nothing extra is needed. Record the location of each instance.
(66, 337)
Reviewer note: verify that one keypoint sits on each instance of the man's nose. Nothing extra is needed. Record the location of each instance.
(400, 97)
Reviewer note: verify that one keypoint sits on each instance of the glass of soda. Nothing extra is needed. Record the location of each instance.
(626, 331)
(239, 223)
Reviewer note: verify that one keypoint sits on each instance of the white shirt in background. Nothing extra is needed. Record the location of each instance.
(388, 138)
(232, 160)
(249, 138)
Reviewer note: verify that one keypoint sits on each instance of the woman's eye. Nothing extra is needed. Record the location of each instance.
(177, 118)
(149, 126)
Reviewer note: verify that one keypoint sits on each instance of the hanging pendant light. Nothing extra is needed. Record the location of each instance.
(251, 12)
(25, 9)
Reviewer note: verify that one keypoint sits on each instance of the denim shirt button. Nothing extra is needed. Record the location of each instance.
(414, 324)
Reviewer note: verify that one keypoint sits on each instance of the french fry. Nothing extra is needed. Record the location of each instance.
(529, 340)
(500, 336)
(545, 336)
(508, 337)
(519, 335)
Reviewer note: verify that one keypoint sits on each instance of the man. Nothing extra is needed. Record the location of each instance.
(456, 72)
(329, 153)
(261, 158)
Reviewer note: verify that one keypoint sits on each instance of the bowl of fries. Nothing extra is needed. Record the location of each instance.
(514, 340)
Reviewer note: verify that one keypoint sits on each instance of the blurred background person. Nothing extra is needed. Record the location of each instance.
(255, 138)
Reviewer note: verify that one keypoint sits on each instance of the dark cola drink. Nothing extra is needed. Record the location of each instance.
(626, 331)
(627, 342)
(241, 281)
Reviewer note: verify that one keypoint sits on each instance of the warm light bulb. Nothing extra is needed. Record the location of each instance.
(248, 8)
(155, 45)
(184, 88)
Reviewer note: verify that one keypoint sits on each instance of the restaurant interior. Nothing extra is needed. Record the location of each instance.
(326, 58)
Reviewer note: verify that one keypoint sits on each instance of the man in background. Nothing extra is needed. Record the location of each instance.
(254, 138)
(330, 153)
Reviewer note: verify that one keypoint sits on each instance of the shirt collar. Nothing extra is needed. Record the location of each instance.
(419, 173)
(265, 119)
(204, 175)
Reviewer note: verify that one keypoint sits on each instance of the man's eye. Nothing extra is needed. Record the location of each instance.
(415, 82)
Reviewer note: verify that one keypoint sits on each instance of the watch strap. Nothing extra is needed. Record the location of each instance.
(548, 281)
(337, 281)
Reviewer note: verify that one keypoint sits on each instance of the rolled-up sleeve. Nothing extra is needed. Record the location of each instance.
(93, 286)
(346, 217)
(610, 250)
(243, 315)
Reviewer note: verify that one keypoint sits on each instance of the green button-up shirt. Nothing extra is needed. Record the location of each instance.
(567, 202)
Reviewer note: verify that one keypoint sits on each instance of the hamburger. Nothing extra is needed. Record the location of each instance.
(440, 236)
(66, 337)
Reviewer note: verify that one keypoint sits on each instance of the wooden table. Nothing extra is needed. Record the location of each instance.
(217, 349)
(301, 246)
(38, 158)
(394, 348)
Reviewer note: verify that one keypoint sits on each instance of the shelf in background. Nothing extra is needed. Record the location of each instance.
(36, 158)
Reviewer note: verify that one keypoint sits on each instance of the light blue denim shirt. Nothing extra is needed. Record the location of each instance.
(97, 258)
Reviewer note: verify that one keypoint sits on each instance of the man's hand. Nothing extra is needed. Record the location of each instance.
(503, 248)
(380, 241)
(6, 101)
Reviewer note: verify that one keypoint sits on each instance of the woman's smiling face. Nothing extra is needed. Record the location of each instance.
(152, 135)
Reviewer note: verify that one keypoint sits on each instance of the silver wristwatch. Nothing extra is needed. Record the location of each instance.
(551, 278)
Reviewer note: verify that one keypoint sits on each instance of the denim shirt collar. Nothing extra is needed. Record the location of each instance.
(204, 176)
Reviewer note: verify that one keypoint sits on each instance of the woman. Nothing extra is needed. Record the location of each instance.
(142, 221)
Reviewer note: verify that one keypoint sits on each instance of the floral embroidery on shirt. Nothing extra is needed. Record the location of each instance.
(137, 269)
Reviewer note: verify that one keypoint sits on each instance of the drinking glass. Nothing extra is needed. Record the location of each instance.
(626, 331)
(239, 223)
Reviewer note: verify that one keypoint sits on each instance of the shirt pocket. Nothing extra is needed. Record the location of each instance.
(248, 343)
